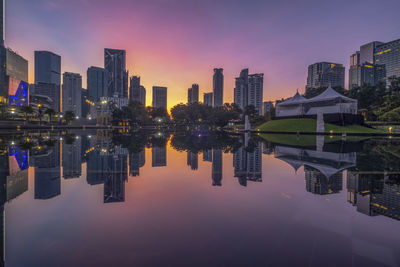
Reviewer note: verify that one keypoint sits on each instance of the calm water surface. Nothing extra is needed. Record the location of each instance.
(94, 199)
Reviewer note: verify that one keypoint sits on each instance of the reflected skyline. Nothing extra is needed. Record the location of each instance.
(118, 171)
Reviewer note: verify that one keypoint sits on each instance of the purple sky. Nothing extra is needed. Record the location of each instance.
(176, 43)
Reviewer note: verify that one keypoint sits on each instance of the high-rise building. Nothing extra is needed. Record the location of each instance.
(208, 99)
(362, 66)
(367, 52)
(117, 175)
(2, 21)
(218, 87)
(159, 97)
(388, 54)
(47, 67)
(97, 83)
(193, 160)
(207, 155)
(193, 94)
(159, 156)
(85, 106)
(249, 91)
(115, 64)
(72, 93)
(136, 91)
(323, 74)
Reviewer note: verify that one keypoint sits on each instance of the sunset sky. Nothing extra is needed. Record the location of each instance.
(175, 43)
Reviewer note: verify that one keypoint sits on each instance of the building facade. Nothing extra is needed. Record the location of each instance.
(193, 94)
(47, 68)
(15, 88)
(159, 97)
(72, 93)
(50, 90)
(388, 54)
(249, 91)
(97, 83)
(115, 64)
(208, 99)
(218, 87)
(323, 74)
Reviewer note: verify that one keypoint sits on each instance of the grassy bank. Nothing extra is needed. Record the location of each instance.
(310, 125)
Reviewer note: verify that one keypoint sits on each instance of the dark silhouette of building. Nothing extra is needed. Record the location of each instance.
(193, 94)
(136, 161)
(136, 91)
(159, 97)
(217, 167)
(207, 155)
(208, 99)
(218, 87)
(193, 160)
(159, 156)
(319, 184)
(117, 175)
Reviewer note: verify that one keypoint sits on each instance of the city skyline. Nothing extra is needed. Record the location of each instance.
(184, 59)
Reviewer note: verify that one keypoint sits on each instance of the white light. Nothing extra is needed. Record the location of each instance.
(12, 143)
(77, 117)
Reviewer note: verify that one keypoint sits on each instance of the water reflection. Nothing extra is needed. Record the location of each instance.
(369, 168)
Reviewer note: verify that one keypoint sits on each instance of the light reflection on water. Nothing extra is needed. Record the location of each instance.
(93, 199)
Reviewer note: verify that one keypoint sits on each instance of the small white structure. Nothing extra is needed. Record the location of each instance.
(328, 102)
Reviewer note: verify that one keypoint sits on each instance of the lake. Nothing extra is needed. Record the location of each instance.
(93, 198)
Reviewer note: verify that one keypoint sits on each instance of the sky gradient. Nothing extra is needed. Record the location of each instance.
(175, 43)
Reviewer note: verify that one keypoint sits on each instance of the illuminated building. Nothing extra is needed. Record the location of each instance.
(388, 54)
(323, 74)
(115, 64)
(249, 91)
(72, 93)
(363, 69)
(159, 97)
(97, 83)
(208, 99)
(248, 166)
(218, 87)
(136, 91)
(159, 156)
(193, 94)
(14, 89)
(116, 175)
(217, 167)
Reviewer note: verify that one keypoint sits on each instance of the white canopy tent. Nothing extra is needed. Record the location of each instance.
(328, 102)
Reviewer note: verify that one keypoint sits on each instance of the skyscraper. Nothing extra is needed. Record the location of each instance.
(47, 67)
(72, 93)
(249, 91)
(14, 83)
(388, 54)
(137, 161)
(193, 94)
(193, 160)
(2, 21)
(97, 83)
(367, 52)
(208, 99)
(323, 74)
(136, 91)
(218, 87)
(115, 64)
(248, 165)
(159, 97)
(71, 159)
(217, 167)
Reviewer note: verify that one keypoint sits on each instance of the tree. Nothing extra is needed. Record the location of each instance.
(69, 116)
(50, 112)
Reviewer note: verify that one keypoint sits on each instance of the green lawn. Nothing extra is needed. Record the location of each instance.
(310, 125)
